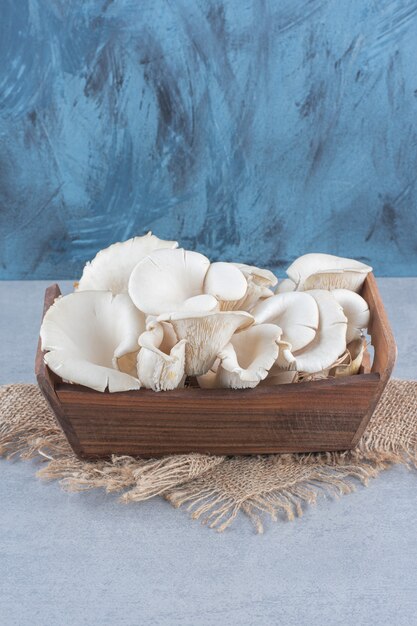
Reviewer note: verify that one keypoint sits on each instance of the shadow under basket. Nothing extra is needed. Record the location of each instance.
(323, 415)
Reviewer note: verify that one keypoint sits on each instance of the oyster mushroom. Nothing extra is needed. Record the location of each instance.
(161, 358)
(91, 338)
(246, 360)
(284, 369)
(204, 302)
(110, 269)
(260, 276)
(226, 283)
(285, 361)
(206, 333)
(165, 279)
(296, 313)
(326, 271)
(286, 285)
(330, 339)
(259, 283)
(356, 310)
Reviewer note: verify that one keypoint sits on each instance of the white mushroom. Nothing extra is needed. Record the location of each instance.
(92, 339)
(165, 279)
(259, 283)
(286, 285)
(227, 283)
(285, 361)
(161, 359)
(356, 310)
(330, 340)
(326, 271)
(206, 334)
(260, 276)
(246, 360)
(283, 370)
(204, 302)
(111, 268)
(296, 313)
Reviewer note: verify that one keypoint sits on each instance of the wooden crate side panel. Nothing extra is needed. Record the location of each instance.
(48, 381)
(385, 349)
(324, 418)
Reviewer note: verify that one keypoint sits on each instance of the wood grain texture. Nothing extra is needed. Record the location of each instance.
(305, 417)
(47, 380)
(385, 349)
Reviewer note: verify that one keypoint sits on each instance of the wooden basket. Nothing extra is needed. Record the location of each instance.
(314, 416)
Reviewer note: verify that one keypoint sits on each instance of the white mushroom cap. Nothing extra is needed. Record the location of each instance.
(91, 338)
(356, 310)
(81, 372)
(330, 340)
(246, 360)
(204, 302)
(225, 282)
(161, 358)
(296, 313)
(163, 280)
(206, 334)
(326, 271)
(111, 268)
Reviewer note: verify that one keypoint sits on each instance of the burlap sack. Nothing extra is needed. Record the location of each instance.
(215, 489)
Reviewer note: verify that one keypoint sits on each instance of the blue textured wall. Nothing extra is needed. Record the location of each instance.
(252, 130)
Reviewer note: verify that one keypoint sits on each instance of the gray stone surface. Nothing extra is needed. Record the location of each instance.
(72, 559)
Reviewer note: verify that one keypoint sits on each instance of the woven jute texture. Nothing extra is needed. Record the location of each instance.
(215, 489)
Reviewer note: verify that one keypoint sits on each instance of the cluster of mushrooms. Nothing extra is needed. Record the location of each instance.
(147, 314)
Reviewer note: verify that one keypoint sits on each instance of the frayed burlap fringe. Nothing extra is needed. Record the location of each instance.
(215, 489)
